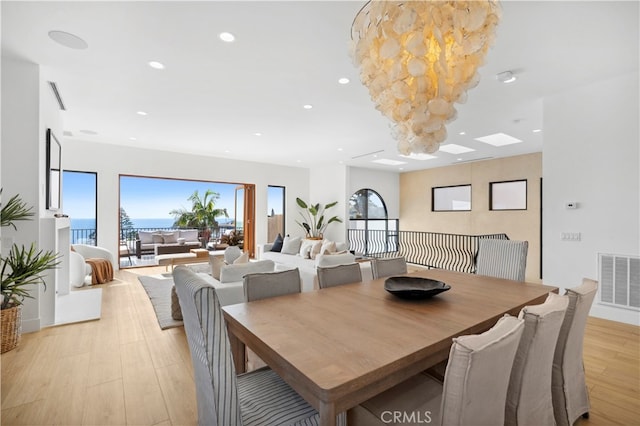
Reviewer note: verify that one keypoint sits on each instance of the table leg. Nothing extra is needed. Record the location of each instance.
(327, 414)
(239, 352)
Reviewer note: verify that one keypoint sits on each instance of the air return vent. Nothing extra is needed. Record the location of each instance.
(54, 87)
(619, 277)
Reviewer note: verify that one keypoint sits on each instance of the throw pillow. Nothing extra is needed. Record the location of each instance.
(244, 258)
(291, 245)
(181, 241)
(305, 249)
(176, 312)
(231, 253)
(170, 237)
(277, 244)
(315, 249)
(328, 247)
(157, 239)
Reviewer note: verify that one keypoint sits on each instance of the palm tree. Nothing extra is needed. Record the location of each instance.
(202, 215)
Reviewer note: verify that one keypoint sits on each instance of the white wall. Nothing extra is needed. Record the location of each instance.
(109, 161)
(28, 109)
(591, 156)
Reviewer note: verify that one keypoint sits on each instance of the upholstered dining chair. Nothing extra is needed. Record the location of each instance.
(502, 258)
(262, 285)
(330, 276)
(474, 389)
(260, 397)
(386, 267)
(568, 386)
(528, 397)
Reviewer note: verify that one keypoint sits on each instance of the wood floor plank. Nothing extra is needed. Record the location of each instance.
(179, 387)
(105, 404)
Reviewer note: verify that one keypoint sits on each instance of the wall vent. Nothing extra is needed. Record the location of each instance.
(54, 87)
(619, 277)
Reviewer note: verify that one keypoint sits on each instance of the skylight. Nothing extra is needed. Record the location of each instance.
(498, 139)
(453, 148)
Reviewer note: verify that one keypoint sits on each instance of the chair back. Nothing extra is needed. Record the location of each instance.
(214, 372)
(262, 285)
(568, 386)
(386, 267)
(528, 396)
(502, 258)
(330, 276)
(477, 376)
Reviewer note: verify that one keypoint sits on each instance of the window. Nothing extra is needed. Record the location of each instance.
(509, 195)
(275, 211)
(367, 204)
(451, 198)
(79, 198)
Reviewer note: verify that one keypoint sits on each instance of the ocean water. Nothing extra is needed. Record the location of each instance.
(137, 223)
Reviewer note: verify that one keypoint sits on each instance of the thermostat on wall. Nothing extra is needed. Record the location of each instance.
(571, 205)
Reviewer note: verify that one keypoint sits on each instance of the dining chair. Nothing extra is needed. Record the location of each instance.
(330, 276)
(386, 267)
(528, 397)
(262, 285)
(260, 397)
(474, 389)
(568, 387)
(502, 258)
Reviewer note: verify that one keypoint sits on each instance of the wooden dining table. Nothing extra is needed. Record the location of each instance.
(340, 346)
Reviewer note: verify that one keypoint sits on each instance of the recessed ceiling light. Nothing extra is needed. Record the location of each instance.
(343, 80)
(133, 138)
(459, 159)
(506, 77)
(88, 132)
(227, 151)
(257, 134)
(537, 130)
(420, 157)
(156, 65)
(307, 106)
(68, 40)
(498, 139)
(453, 148)
(228, 37)
(339, 149)
(141, 113)
(400, 168)
(462, 133)
(298, 161)
(388, 162)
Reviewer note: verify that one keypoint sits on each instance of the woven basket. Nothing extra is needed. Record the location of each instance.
(11, 327)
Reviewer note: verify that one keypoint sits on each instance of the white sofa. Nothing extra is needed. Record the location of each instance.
(229, 287)
(307, 267)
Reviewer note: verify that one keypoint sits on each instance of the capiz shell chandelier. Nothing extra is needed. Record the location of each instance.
(418, 58)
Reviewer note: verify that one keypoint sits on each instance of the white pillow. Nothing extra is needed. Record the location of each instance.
(243, 258)
(305, 249)
(315, 249)
(328, 247)
(291, 245)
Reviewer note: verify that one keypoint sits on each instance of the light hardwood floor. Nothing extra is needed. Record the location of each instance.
(123, 369)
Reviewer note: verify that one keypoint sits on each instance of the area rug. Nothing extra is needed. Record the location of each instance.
(158, 288)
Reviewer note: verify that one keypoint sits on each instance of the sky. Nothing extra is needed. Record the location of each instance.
(151, 198)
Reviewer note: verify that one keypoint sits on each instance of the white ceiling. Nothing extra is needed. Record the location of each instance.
(213, 96)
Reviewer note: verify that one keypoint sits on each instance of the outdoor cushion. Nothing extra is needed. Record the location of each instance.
(234, 273)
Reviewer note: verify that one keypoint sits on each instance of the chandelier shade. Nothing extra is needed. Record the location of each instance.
(419, 58)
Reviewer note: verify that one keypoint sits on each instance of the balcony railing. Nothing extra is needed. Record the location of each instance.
(431, 249)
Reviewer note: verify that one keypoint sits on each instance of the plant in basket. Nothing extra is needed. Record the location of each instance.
(20, 269)
(314, 222)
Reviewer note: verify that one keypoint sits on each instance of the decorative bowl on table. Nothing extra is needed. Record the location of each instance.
(414, 287)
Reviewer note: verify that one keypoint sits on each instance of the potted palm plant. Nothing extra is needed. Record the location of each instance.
(314, 222)
(20, 269)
